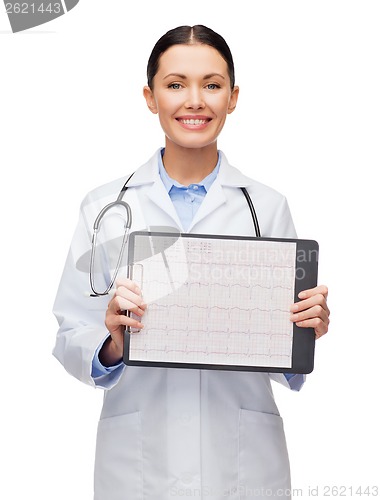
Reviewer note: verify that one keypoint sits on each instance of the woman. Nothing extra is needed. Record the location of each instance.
(164, 432)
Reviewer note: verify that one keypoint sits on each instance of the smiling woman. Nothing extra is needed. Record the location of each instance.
(166, 433)
(191, 92)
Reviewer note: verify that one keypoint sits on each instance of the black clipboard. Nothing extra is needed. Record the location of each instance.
(305, 272)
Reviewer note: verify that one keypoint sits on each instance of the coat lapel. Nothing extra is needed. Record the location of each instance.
(148, 175)
(160, 197)
(216, 196)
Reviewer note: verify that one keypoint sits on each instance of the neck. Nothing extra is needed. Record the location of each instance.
(188, 165)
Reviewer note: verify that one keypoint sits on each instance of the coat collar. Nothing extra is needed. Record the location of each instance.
(149, 174)
(227, 176)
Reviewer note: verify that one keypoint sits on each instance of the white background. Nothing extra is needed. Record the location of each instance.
(72, 116)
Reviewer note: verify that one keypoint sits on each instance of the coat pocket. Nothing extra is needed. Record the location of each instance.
(263, 457)
(118, 459)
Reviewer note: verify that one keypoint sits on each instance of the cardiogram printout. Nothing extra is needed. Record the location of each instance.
(214, 300)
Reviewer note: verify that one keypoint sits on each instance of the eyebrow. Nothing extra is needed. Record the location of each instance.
(184, 77)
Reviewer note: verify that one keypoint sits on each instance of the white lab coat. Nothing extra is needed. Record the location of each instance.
(167, 433)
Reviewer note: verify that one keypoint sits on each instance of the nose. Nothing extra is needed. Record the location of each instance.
(194, 98)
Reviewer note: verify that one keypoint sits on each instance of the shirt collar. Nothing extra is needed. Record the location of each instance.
(169, 182)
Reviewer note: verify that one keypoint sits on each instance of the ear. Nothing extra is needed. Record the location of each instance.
(233, 99)
(150, 100)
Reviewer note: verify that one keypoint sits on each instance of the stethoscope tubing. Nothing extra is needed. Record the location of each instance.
(128, 223)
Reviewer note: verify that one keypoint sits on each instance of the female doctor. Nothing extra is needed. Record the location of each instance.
(167, 433)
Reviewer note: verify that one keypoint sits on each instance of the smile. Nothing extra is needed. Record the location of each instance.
(192, 121)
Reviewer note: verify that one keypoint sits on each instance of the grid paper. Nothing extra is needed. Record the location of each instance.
(215, 301)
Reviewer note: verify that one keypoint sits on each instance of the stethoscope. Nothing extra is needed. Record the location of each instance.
(127, 226)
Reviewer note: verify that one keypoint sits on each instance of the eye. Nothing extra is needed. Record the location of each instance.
(175, 86)
(212, 86)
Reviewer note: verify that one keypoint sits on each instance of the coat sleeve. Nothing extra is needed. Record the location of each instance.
(282, 225)
(80, 317)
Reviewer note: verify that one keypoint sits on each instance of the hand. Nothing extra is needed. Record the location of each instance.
(127, 297)
(312, 310)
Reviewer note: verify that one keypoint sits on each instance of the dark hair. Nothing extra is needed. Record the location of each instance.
(188, 35)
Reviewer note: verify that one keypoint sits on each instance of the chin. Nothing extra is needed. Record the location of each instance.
(193, 143)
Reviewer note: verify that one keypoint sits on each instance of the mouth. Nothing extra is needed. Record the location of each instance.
(194, 122)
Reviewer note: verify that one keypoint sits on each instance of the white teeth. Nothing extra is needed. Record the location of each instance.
(193, 122)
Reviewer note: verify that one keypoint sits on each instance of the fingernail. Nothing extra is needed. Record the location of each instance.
(294, 308)
(302, 295)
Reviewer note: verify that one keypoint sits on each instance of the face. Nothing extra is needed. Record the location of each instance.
(192, 95)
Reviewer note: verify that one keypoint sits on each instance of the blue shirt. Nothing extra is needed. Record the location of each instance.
(186, 200)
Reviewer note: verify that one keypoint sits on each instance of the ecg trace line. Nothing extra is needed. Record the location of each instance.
(209, 308)
(241, 331)
(208, 353)
(215, 283)
(209, 333)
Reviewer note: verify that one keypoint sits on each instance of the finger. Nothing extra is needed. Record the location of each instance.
(316, 311)
(128, 283)
(127, 305)
(321, 289)
(117, 320)
(320, 327)
(120, 304)
(131, 322)
(304, 304)
(126, 293)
